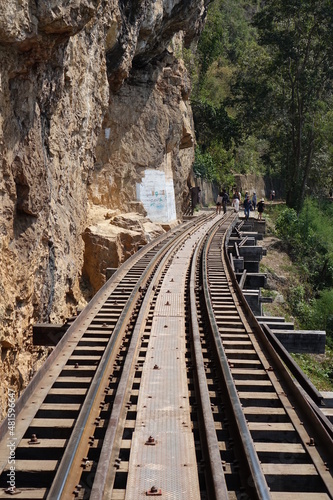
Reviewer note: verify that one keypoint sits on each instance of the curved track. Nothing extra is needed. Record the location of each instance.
(273, 424)
(166, 385)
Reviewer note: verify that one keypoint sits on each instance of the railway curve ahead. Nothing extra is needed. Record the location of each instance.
(166, 385)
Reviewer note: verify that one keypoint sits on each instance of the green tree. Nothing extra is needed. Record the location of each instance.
(321, 173)
(212, 66)
(213, 123)
(298, 37)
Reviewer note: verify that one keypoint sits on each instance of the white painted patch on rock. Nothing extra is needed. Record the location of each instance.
(156, 193)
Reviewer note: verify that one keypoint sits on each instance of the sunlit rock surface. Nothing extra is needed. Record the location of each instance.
(93, 94)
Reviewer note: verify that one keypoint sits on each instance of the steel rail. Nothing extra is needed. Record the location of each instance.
(309, 422)
(64, 470)
(34, 395)
(259, 480)
(219, 486)
(70, 335)
(102, 472)
(109, 441)
(314, 395)
(102, 485)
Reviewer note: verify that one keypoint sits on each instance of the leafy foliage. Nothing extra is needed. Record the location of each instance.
(319, 371)
(309, 308)
(282, 93)
(300, 304)
(213, 66)
(204, 165)
(309, 240)
(213, 124)
(214, 165)
(287, 227)
(322, 313)
(262, 101)
(262, 87)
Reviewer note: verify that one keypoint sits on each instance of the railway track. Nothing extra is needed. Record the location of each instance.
(166, 385)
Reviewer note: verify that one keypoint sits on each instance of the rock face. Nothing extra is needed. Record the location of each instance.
(109, 242)
(251, 183)
(92, 97)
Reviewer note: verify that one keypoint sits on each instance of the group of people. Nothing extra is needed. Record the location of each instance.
(249, 204)
(221, 201)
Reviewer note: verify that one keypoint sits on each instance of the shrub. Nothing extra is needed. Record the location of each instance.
(300, 305)
(287, 227)
(322, 313)
(309, 241)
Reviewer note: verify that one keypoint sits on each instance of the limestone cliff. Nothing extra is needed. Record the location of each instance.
(93, 103)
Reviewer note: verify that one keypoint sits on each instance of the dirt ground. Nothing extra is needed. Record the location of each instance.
(280, 277)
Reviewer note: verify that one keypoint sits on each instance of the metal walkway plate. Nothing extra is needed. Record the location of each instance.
(170, 304)
(169, 466)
